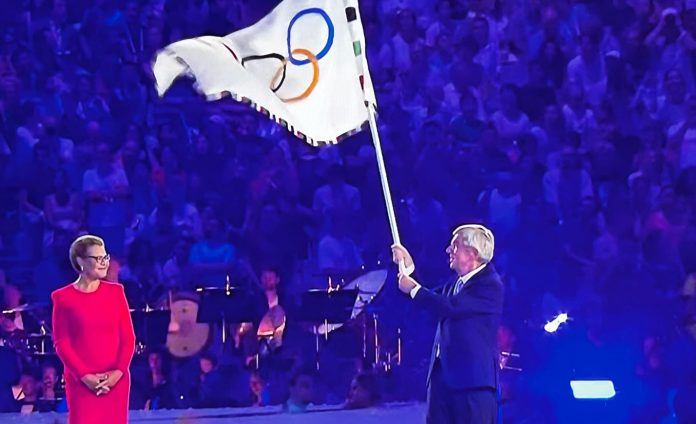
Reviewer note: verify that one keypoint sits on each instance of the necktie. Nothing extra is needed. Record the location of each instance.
(458, 286)
(451, 291)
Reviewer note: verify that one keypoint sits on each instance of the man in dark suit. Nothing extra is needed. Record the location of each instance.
(463, 372)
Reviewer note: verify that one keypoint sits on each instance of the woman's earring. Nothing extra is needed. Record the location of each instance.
(82, 268)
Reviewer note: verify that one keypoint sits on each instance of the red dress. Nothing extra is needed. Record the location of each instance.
(93, 333)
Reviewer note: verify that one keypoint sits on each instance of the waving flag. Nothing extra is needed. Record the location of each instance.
(303, 65)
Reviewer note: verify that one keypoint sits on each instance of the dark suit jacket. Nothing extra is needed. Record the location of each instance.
(467, 329)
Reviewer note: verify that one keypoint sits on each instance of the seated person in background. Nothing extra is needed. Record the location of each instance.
(156, 388)
(260, 395)
(27, 394)
(211, 388)
(51, 396)
(268, 337)
(272, 324)
(301, 388)
(49, 381)
(364, 391)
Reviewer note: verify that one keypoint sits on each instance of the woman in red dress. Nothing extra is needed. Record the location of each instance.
(94, 338)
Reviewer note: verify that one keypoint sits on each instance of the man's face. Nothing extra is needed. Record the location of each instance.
(269, 280)
(462, 258)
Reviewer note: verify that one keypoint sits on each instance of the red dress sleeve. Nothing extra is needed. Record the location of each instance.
(61, 339)
(126, 347)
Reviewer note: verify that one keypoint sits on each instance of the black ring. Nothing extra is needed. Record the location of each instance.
(269, 56)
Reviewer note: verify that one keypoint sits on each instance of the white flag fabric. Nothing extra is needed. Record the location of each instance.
(302, 65)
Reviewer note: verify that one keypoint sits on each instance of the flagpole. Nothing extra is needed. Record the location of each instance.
(383, 174)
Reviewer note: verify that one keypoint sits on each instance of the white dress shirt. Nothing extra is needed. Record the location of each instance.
(461, 281)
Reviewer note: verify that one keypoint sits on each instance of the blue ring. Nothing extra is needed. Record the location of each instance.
(329, 39)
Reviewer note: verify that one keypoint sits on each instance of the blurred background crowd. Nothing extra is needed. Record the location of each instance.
(567, 126)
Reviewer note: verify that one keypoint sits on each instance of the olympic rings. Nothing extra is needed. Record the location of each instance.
(314, 60)
(329, 39)
(279, 76)
(283, 62)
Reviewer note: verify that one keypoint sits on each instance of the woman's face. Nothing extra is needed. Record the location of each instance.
(94, 263)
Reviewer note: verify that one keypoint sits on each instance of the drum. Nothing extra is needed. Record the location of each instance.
(186, 336)
(271, 329)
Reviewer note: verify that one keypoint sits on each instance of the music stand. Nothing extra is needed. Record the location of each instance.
(326, 307)
(227, 305)
(151, 326)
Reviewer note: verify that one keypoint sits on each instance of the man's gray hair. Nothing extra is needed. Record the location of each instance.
(478, 237)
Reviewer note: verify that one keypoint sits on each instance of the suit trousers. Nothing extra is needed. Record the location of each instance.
(458, 406)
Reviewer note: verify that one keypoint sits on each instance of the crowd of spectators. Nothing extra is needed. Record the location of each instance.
(567, 126)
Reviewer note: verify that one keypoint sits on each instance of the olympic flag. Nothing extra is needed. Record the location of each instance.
(302, 65)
